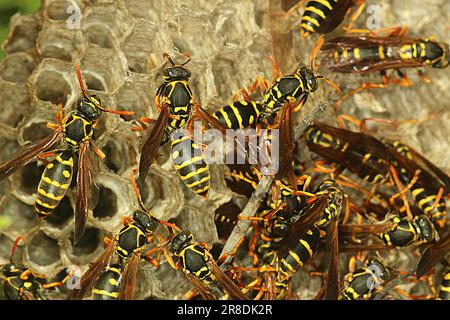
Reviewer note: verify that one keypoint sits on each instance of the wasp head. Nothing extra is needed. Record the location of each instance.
(145, 221)
(377, 267)
(176, 73)
(180, 241)
(11, 269)
(310, 79)
(90, 107)
(427, 231)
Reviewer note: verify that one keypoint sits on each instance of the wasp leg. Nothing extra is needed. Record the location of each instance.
(423, 77)
(58, 283)
(361, 5)
(142, 121)
(364, 86)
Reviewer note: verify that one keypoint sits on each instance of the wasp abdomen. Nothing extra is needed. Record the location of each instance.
(189, 162)
(107, 285)
(54, 183)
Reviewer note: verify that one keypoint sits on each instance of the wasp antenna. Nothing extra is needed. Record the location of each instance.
(331, 83)
(186, 61)
(80, 80)
(315, 50)
(120, 112)
(168, 57)
(15, 245)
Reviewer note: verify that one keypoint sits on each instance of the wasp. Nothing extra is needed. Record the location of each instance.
(21, 283)
(201, 269)
(225, 218)
(128, 246)
(175, 102)
(432, 183)
(361, 154)
(372, 53)
(444, 288)
(362, 283)
(323, 16)
(241, 114)
(76, 131)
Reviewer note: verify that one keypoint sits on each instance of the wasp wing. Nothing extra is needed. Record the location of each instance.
(201, 288)
(301, 223)
(27, 155)
(128, 281)
(230, 287)
(432, 255)
(332, 289)
(151, 143)
(86, 191)
(90, 276)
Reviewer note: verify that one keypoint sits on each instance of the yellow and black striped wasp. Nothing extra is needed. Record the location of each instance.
(201, 269)
(116, 280)
(175, 102)
(373, 53)
(21, 283)
(363, 282)
(76, 131)
(444, 288)
(323, 16)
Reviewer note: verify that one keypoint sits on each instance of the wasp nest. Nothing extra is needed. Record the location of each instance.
(118, 45)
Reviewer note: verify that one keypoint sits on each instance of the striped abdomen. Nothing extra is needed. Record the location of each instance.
(425, 202)
(334, 201)
(315, 15)
(54, 183)
(296, 258)
(239, 114)
(107, 285)
(444, 289)
(188, 160)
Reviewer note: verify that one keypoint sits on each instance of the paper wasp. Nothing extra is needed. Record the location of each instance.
(127, 245)
(362, 282)
(201, 269)
(323, 16)
(444, 288)
(76, 131)
(372, 53)
(175, 102)
(433, 255)
(21, 283)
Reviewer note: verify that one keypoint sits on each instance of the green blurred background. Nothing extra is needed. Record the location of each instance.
(7, 9)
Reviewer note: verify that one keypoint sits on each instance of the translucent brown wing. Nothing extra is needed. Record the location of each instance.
(430, 175)
(286, 147)
(309, 216)
(363, 229)
(150, 146)
(201, 288)
(432, 255)
(27, 155)
(281, 33)
(128, 281)
(286, 5)
(86, 191)
(89, 277)
(332, 248)
(230, 287)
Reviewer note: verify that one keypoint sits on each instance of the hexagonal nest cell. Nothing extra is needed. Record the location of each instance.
(119, 47)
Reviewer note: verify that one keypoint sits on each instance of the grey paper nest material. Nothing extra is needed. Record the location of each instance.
(119, 48)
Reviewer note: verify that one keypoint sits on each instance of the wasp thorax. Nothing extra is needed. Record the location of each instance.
(427, 231)
(145, 221)
(309, 78)
(176, 73)
(89, 107)
(180, 241)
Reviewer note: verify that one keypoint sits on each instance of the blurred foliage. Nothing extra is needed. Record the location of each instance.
(8, 8)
